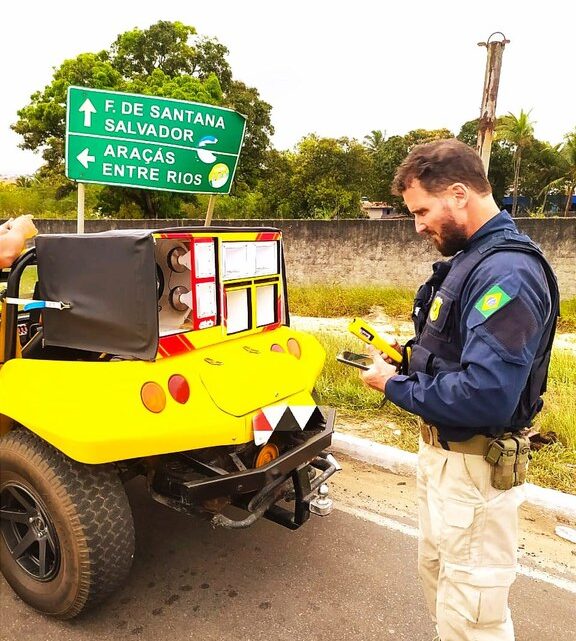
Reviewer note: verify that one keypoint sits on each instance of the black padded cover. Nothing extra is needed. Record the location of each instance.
(110, 280)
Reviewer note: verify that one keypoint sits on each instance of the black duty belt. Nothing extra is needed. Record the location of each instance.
(478, 444)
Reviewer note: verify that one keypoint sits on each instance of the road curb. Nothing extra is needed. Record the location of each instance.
(404, 463)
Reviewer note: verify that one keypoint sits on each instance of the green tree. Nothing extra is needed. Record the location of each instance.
(568, 151)
(421, 136)
(276, 183)
(246, 101)
(386, 161)
(519, 132)
(390, 155)
(541, 165)
(500, 171)
(374, 140)
(323, 178)
(567, 178)
(172, 47)
(168, 59)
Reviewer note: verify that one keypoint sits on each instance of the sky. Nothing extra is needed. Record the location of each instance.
(334, 68)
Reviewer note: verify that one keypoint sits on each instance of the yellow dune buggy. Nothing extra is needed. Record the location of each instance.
(166, 354)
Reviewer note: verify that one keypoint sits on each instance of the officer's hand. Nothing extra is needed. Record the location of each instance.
(396, 345)
(380, 371)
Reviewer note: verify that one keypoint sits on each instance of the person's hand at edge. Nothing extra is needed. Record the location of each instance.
(25, 225)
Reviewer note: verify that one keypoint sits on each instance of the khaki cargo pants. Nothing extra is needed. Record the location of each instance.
(468, 545)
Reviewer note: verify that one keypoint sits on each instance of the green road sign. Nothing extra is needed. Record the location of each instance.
(133, 140)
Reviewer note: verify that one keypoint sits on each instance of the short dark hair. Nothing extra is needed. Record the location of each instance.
(439, 164)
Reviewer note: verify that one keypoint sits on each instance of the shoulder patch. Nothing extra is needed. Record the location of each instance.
(435, 308)
(492, 300)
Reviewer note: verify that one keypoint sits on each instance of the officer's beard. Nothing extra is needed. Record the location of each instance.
(452, 237)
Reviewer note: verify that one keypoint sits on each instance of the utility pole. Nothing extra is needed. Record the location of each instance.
(495, 49)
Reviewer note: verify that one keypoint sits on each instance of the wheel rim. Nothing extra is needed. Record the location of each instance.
(28, 532)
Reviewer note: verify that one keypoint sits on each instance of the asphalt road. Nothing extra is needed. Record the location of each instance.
(340, 577)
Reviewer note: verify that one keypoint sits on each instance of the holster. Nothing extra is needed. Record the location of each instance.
(508, 455)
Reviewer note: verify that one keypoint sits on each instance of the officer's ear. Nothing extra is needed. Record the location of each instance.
(460, 193)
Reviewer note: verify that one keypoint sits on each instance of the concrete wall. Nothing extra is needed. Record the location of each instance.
(384, 252)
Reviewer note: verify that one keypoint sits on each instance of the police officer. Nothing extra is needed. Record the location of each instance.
(474, 373)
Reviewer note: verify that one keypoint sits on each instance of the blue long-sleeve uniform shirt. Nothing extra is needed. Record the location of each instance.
(498, 351)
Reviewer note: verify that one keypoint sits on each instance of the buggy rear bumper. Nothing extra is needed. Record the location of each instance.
(258, 490)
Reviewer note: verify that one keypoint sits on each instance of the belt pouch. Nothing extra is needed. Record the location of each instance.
(501, 455)
(522, 458)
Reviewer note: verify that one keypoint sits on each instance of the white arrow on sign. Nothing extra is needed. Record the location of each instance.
(88, 109)
(84, 157)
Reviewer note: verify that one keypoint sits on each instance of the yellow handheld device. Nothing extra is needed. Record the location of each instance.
(368, 334)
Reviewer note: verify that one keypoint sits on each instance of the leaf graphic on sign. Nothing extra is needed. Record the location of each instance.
(218, 175)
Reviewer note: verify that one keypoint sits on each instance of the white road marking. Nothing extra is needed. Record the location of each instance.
(384, 521)
(539, 575)
(391, 524)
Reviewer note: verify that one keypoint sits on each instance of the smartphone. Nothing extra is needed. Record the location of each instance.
(361, 361)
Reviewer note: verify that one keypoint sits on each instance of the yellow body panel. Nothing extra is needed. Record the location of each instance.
(92, 411)
(213, 336)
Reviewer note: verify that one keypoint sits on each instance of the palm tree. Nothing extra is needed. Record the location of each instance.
(568, 152)
(568, 177)
(375, 139)
(519, 132)
(24, 181)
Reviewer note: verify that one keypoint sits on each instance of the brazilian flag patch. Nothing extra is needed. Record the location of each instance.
(493, 300)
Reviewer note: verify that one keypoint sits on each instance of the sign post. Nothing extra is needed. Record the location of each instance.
(149, 142)
(81, 199)
(210, 211)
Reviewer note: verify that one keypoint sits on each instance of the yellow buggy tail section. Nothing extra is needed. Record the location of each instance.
(94, 411)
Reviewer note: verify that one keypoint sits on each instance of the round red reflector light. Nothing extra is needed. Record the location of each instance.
(179, 388)
(153, 397)
(294, 347)
(277, 348)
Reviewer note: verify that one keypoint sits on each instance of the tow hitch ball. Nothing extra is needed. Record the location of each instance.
(322, 505)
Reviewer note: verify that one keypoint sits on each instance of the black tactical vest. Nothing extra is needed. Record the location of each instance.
(437, 346)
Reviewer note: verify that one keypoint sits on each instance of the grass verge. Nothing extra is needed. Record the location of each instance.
(567, 320)
(29, 278)
(332, 301)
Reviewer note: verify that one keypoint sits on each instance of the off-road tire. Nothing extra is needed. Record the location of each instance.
(87, 509)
